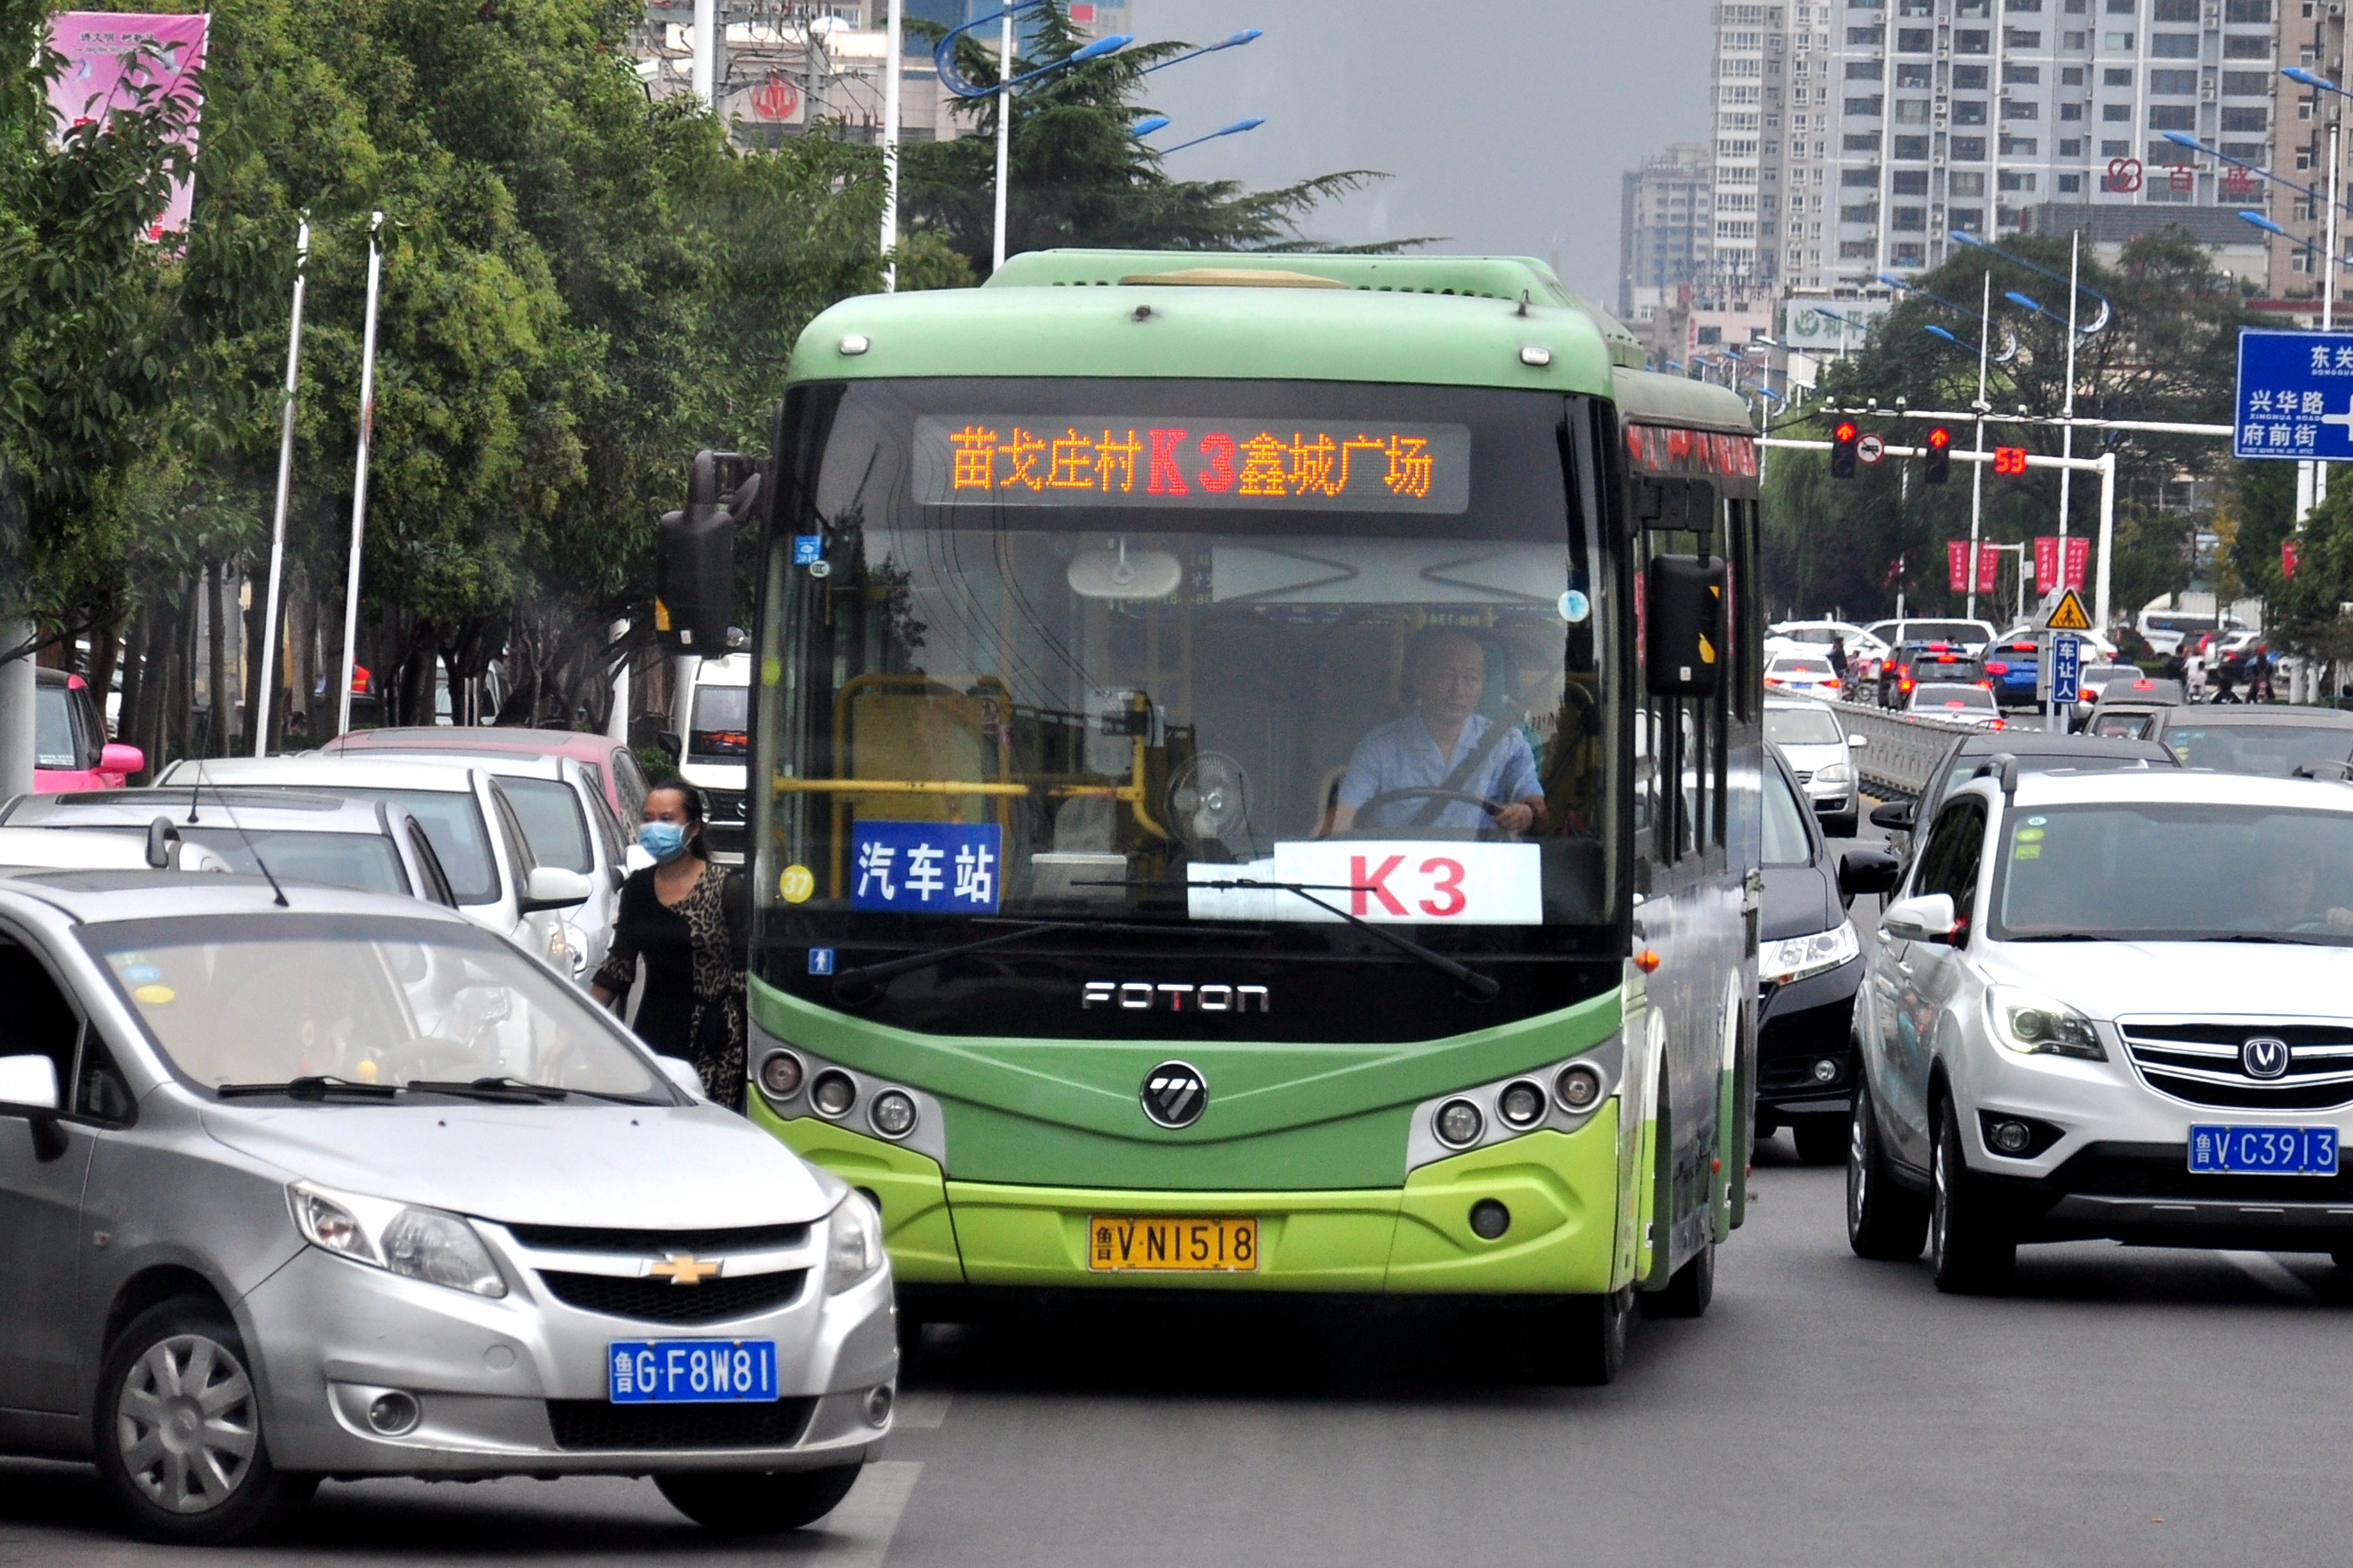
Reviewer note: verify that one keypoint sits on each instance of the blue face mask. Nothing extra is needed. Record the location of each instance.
(665, 841)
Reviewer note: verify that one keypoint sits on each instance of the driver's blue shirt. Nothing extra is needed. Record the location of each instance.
(1403, 755)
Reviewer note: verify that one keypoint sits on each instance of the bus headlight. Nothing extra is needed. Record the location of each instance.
(1457, 1124)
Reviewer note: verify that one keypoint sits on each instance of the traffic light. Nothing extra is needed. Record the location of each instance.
(1940, 456)
(694, 555)
(1843, 450)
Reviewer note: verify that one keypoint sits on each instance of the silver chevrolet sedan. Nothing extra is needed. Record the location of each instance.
(328, 1182)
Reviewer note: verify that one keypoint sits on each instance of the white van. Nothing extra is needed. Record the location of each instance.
(713, 721)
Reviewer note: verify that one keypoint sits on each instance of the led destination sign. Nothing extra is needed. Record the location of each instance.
(1169, 464)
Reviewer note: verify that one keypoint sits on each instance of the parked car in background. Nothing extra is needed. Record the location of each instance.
(2035, 750)
(610, 763)
(1964, 704)
(374, 1194)
(1968, 637)
(716, 753)
(1809, 963)
(1913, 663)
(2274, 740)
(1821, 757)
(1863, 651)
(375, 846)
(2012, 667)
(1801, 675)
(70, 750)
(473, 827)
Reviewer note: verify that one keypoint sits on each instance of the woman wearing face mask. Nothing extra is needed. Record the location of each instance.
(689, 921)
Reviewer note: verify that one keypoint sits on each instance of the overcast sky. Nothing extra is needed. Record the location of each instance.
(1505, 123)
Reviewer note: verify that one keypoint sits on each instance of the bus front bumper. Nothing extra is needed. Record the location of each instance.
(1559, 1192)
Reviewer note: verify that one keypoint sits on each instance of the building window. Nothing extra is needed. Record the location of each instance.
(2173, 10)
(2173, 84)
(2172, 117)
(1916, 40)
(1908, 220)
(1910, 255)
(2072, 147)
(1860, 143)
(2118, 43)
(1911, 111)
(1862, 70)
(2071, 184)
(2246, 84)
(1969, 79)
(2246, 47)
(2010, 111)
(1966, 220)
(2020, 147)
(1914, 76)
(1867, 212)
(1863, 108)
(2018, 181)
(1969, 149)
(2247, 11)
(2021, 76)
(2173, 45)
(1859, 179)
(1856, 250)
(1865, 37)
(1911, 147)
(2020, 39)
(2117, 113)
(1970, 111)
(2246, 119)
(2071, 112)
(1972, 41)
(2075, 40)
(2116, 149)
(2119, 7)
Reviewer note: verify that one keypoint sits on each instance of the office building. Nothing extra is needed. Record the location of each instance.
(1665, 225)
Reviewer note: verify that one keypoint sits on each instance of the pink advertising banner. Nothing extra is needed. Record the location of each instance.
(113, 59)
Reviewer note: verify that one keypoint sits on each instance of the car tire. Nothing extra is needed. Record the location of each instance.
(757, 1503)
(1883, 1221)
(1580, 1340)
(1821, 1140)
(181, 1456)
(1689, 1292)
(1842, 825)
(1974, 1252)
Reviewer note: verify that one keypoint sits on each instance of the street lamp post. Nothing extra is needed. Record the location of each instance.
(1236, 128)
(894, 25)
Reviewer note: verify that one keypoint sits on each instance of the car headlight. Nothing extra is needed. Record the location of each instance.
(1778, 962)
(1837, 773)
(853, 1247)
(2038, 1026)
(431, 1244)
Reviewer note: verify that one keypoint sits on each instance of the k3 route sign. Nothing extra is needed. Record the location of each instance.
(2295, 396)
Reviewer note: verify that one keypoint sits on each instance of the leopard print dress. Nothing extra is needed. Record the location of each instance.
(711, 1033)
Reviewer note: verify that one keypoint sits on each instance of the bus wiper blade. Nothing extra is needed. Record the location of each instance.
(1487, 986)
(310, 1086)
(868, 977)
(506, 1090)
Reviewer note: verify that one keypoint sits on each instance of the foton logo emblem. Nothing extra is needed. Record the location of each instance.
(1143, 995)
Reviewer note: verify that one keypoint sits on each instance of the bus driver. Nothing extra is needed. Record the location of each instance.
(1442, 751)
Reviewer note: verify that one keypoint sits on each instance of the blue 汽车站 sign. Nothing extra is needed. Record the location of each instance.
(926, 867)
(2295, 396)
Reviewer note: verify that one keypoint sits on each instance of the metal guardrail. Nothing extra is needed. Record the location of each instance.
(1904, 748)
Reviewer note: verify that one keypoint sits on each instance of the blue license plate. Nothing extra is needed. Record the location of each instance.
(2263, 1151)
(691, 1371)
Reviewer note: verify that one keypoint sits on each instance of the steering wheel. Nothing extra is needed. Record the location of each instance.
(1430, 792)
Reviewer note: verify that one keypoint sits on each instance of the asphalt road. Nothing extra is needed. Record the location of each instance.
(2124, 1406)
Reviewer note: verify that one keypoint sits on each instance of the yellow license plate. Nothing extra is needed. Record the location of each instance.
(1163, 1242)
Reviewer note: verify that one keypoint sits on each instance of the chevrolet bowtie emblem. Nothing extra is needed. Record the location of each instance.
(683, 1268)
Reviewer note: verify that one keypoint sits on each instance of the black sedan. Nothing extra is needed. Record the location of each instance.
(1808, 967)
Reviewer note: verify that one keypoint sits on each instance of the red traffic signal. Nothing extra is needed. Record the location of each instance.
(2010, 459)
(1940, 456)
(1842, 438)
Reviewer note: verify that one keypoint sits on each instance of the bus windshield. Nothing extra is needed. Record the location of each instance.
(1185, 652)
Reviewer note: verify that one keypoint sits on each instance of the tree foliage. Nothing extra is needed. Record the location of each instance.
(2168, 353)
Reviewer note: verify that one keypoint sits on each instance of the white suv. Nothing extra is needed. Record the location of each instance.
(2110, 1005)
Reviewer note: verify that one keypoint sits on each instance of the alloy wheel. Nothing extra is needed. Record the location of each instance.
(185, 1424)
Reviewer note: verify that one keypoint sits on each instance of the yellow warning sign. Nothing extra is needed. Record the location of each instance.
(2067, 615)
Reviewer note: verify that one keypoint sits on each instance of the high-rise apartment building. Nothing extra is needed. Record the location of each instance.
(2311, 35)
(1861, 133)
(1666, 228)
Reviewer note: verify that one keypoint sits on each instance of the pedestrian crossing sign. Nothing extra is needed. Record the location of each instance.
(2067, 615)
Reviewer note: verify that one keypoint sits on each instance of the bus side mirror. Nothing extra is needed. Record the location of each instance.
(694, 555)
(1683, 612)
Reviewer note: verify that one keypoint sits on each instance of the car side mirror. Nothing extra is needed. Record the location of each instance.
(1927, 918)
(162, 839)
(553, 887)
(28, 1083)
(1896, 815)
(669, 741)
(117, 758)
(1857, 743)
(1868, 871)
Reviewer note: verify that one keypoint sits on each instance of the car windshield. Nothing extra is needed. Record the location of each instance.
(722, 728)
(1802, 727)
(1786, 843)
(2278, 750)
(367, 861)
(263, 999)
(452, 820)
(1939, 695)
(2174, 872)
(553, 825)
(1084, 662)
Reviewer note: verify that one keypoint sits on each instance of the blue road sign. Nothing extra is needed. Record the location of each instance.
(2066, 668)
(2295, 396)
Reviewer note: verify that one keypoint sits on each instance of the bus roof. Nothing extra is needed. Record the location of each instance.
(1439, 321)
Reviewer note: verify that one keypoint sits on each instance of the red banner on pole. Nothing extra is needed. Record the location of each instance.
(2287, 559)
(2079, 557)
(1989, 562)
(1958, 557)
(2046, 560)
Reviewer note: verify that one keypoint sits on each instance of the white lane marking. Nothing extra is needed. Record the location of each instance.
(2271, 1273)
(858, 1533)
(923, 1409)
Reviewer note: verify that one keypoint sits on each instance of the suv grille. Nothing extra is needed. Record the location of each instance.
(592, 1424)
(2198, 1060)
(660, 1301)
(657, 1243)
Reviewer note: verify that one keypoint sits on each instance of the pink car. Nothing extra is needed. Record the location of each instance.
(608, 762)
(70, 750)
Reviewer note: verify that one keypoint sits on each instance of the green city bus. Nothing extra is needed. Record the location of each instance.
(1254, 785)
